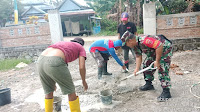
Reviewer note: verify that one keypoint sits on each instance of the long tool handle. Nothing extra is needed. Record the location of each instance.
(141, 71)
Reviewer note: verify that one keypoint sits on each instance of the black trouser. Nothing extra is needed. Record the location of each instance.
(100, 58)
(126, 55)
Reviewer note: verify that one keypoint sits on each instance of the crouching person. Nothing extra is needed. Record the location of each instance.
(52, 66)
(101, 50)
(158, 49)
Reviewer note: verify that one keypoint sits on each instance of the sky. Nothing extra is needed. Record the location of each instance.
(81, 2)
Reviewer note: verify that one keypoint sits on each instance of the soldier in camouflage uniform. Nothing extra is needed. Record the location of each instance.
(158, 49)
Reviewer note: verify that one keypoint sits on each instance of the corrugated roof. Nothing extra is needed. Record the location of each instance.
(33, 10)
(70, 5)
(42, 6)
(79, 12)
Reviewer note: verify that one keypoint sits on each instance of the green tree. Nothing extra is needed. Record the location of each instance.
(108, 25)
(7, 9)
(101, 6)
(134, 8)
(196, 7)
(173, 6)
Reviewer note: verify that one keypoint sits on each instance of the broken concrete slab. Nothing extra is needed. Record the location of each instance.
(21, 65)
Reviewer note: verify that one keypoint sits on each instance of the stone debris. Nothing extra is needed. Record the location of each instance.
(179, 73)
(172, 66)
(33, 73)
(21, 65)
(187, 72)
(176, 69)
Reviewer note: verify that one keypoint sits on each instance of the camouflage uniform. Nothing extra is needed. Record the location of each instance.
(145, 45)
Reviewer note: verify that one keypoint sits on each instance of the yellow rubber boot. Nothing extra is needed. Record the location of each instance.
(48, 105)
(74, 105)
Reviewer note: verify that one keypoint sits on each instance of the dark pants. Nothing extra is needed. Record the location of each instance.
(126, 55)
(100, 58)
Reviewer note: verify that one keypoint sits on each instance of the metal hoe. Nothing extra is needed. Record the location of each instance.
(141, 71)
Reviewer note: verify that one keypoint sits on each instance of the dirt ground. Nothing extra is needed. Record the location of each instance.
(27, 94)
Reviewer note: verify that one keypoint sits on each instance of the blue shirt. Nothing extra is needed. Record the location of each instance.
(105, 46)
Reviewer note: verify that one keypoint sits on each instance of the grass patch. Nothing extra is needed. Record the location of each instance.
(8, 64)
(114, 33)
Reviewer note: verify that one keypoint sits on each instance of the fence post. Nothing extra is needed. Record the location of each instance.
(149, 18)
(55, 26)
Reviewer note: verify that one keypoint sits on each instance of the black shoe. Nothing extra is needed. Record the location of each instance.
(165, 95)
(147, 86)
(105, 72)
(100, 70)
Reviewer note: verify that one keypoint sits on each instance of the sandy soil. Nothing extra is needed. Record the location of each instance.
(27, 94)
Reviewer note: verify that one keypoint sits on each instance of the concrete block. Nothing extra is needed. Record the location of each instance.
(188, 47)
(180, 47)
(175, 48)
(31, 53)
(196, 39)
(188, 40)
(2, 56)
(197, 45)
(174, 41)
(22, 51)
(182, 41)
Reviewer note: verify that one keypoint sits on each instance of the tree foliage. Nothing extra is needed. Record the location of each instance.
(174, 6)
(163, 6)
(196, 6)
(109, 25)
(7, 9)
(101, 6)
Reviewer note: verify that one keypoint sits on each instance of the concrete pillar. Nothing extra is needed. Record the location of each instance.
(149, 18)
(55, 26)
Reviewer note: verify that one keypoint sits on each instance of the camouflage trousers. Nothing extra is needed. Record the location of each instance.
(163, 72)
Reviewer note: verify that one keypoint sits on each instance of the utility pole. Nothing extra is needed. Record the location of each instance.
(15, 12)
